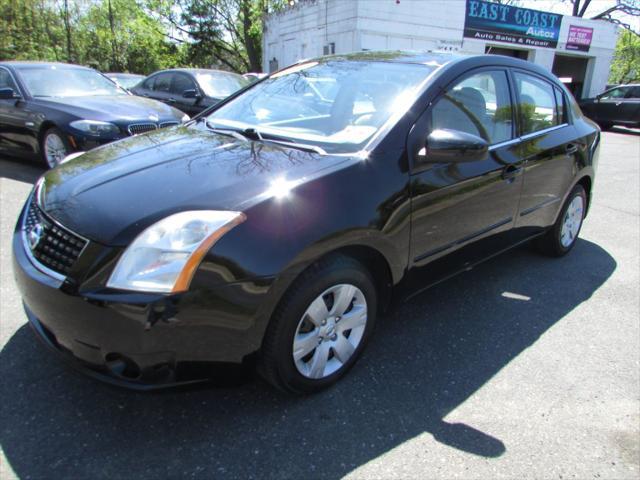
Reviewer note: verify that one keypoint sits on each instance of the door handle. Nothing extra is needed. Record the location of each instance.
(510, 172)
(171, 100)
(571, 149)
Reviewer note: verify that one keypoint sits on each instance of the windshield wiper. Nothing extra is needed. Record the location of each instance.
(299, 146)
(232, 132)
(257, 136)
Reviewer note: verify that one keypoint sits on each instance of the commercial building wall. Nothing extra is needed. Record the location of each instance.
(315, 27)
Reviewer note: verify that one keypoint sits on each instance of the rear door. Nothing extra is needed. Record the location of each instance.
(161, 88)
(465, 207)
(145, 88)
(179, 84)
(549, 147)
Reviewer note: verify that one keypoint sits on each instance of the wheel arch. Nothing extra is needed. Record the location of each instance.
(587, 183)
(44, 126)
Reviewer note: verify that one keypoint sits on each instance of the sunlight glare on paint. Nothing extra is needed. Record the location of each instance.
(281, 188)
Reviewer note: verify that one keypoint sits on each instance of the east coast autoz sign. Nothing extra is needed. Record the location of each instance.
(505, 23)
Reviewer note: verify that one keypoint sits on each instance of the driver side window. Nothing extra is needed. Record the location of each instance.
(480, 105)
(615, 93)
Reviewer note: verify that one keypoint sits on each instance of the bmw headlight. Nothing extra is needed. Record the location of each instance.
(95, 127)
(166, 255)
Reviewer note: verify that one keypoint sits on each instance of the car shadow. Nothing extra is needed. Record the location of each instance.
(628, 131)
(427, 357)
(20, 170)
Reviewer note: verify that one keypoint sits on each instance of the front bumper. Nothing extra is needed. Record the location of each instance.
(137, 340)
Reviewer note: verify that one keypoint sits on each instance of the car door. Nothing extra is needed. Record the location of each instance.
(161, 89)
(549, 147)
(180, 83)
(631, 107)
(611, 105)
(465, 207)
(16, 136)
(144, 88)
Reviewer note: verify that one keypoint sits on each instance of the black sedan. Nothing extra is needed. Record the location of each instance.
(232, 238)
(192, 90)
(617, 106)
(49, 110)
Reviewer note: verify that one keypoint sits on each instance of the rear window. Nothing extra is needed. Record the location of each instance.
(538, 107)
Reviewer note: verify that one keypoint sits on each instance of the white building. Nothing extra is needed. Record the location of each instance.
(312, 28)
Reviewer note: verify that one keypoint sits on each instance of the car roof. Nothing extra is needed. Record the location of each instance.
(437, 59)
(397, 56)
(197, 70)
(26, 63)
(121, 74)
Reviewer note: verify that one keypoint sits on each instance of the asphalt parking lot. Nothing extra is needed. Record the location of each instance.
(461, 382)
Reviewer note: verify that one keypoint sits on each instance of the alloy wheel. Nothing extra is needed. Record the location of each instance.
(330, 331)
(54, 149)
(572, 221)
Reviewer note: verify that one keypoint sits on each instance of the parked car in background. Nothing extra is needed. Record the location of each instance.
(237, 237)
(126, 80)
(49, 110)
(191, 90)
(253, 76)
(617, 106)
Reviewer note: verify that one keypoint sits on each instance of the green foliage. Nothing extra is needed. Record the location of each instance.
(111, 35)
(625, 67)
(138, 36)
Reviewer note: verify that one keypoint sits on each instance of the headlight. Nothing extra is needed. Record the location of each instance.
(165, 256)
(185, 118)
(95, 127)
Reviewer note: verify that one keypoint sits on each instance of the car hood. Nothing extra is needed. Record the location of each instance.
(112, 193)
(114, 107)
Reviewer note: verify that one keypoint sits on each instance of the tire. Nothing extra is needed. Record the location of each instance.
(335, 283)
(560, 239)
(54, 146)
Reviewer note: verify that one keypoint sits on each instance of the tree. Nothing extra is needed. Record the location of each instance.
(225, 33)
(626, 60)
(628, 7)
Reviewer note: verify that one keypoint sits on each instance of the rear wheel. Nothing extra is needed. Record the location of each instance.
(561, 238)
(53, 147)
(320, 328)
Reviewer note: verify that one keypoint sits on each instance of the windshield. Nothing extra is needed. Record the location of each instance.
(337, 105)
(54, 81)
(220, 85)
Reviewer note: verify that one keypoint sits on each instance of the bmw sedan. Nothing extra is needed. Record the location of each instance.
(617, 106)
(234, 238)
(191, 90)
(49, 110)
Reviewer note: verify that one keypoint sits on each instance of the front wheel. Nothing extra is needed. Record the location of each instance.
(320, 327)
(54, 147)
(561, 238)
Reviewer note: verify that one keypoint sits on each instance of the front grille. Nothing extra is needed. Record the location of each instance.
(50, 244)
(168, 124)
(137, 128)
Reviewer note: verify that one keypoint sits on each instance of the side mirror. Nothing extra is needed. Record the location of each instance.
(446, 145)
(191, 93)
(8, 94)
